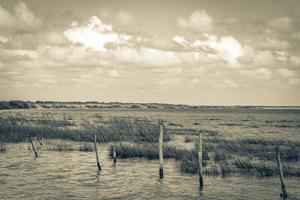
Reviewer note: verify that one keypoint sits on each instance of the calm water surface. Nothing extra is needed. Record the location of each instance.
(73, 175)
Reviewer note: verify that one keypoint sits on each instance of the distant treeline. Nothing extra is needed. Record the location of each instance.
(16, 104)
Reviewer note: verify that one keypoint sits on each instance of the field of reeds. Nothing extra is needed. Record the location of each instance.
(137, 136)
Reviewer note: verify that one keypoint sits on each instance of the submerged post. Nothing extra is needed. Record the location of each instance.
(114, 155)
(283, 187)
(35, 152)
(95, 145)
(161, 156)
(200, 163)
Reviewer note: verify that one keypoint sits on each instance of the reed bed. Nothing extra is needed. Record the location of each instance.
(147, 150)
(18, 129)
(240, 165)
(64, 145)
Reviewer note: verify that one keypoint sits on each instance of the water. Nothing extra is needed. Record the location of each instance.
(73, 175)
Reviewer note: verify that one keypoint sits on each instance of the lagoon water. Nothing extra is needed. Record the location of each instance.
(73, 175)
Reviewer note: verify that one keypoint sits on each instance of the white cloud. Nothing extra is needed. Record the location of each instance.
(95, 34)
(282, 55)
(228, 48)
(199, 21)
(21, 20)
(260, 73)
(281, 24)
(286, 72)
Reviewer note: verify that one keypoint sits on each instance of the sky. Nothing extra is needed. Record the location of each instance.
(198, 52)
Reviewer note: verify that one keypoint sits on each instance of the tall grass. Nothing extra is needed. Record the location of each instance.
(148, 150)
(18, 129)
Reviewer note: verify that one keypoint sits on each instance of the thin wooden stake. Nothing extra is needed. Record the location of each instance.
(200, 163)
(114, 155)
(283, 187)
(36, 154)
(95, 145)
(161, 156)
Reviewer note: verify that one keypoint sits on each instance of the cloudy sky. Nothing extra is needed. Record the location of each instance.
(200, 52)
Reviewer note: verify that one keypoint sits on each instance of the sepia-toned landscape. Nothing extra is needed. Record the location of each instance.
(236, 155)
(136, 99)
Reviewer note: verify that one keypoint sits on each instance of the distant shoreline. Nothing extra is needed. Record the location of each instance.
(17, 104)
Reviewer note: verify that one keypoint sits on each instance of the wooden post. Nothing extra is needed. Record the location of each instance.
(36, 154)
(283, 187)
(29, 144)
(200, 163)
(95, 145)
(161, 156)
(114, 155)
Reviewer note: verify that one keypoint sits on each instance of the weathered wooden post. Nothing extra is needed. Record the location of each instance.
(29, 144)
(95, 145)
(160, 145)
(200, 163)
(35, 152)
(114, 155)
(284, 194)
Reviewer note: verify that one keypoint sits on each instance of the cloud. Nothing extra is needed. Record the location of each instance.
(3, 39)
(264, 58)
(283, 24)
(260, 73)
(295, 60)
(95, 34)
(296, 36)
(273, 44)
(286, 72)
(147, 57)
(21, 20)
(228, 48)
(125, 22)
(227, 83)
(199, 21)
(55, 38)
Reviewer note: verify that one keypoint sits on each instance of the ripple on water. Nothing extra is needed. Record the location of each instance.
(73, 175)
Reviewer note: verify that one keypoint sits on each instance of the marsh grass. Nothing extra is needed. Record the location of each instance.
(59, 145)
(221, 157)
(19, 129)
(189, 138)
(147, 150)
(86, 147)
(65, 145)
(240, 165)
(3, 147)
